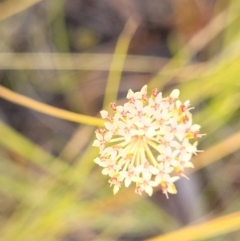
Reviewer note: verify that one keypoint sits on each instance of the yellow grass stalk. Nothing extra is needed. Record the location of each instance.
(208, 229)
(49, 110)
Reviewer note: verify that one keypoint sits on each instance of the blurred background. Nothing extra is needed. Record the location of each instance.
(80, 55)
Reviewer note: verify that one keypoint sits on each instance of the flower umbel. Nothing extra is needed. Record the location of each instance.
(147, 141)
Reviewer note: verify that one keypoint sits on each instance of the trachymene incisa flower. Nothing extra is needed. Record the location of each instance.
(147, 141)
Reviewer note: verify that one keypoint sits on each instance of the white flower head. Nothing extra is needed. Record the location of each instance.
(147, 141)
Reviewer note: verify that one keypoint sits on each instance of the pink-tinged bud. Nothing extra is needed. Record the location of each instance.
(109, 118)
(138, 189)
(113, 106)
(155, 92)
(185, 119)
(183, 108)
(165, 191)
(181, 173)
(196, 134)
(144, 93)
(101, 131)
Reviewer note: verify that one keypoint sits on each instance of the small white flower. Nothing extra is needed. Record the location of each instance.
(102, 139)
(110, 167)
(131, 175)
(165, 142)
(168, 156)
(145, 184)
(116, 181)
(141, 130)
(163, 174)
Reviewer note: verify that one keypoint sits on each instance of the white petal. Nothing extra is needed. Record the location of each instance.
(171, 188)
(195, 127)
(119, 108)
(115, 189)
(175, 153)
(185, 156)
(174, 94)
(104, 114)
(130, 94)
(158, 98)
(108, 136)
(180, 136)
(169, 137)
(96, 143)
(108, 125)
(158, 179)
(174, 179)
(99, 136)
(144, 90)
(146, 174)
(166, 177)
(191, 149)
(178, 103)
(149, 190)
(150, 132)
(174, 163)
(137, 95)
(175, 144)
(153, 170)
(138, 169)
(138, 123)
(105, 171)
(139, 105)
(160, 157)
(161, 166)
(127, 138)
(136, 179)
(168, 151)
(127, 181)
(97, 160)
(189, 164)
(187, 103)
(133, 132)
(154, 183)
(140, 132)
(169, 169)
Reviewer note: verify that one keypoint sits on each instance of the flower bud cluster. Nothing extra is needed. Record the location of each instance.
(147, 141)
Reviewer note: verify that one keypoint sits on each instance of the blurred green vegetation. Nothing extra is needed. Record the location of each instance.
(79, 56)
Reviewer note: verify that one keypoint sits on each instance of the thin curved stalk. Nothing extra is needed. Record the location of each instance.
(49, 110)
(208, 229)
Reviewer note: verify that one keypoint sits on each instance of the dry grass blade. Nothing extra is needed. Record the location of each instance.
(199, 41)
(9, 8)
(80, 61)
(212, 228)
(114, 77)
(217, 25)
(218, 151)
